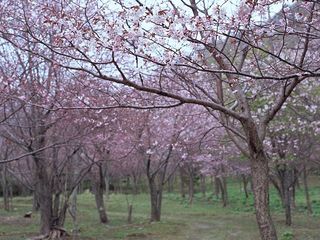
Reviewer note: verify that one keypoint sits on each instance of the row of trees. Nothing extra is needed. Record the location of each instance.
(209, 85)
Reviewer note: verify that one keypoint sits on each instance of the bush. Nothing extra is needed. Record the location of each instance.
(287, 235)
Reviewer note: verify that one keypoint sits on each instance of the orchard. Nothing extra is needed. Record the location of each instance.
(181, 97)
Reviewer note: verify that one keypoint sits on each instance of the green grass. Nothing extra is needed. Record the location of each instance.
(205, 219)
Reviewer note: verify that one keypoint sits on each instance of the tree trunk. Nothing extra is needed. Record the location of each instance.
(223, 189)
(287, 196)
(156, 201)
(260, 178)
(306, 190)
(107, 182)
(100, 205)
(5, 189)
(171, 183)
(285, 175)
(260, 184)
(296, 177)
(245, 186)
(129, 219)
(216, 187)
(74, 213)
(56, 206)
(156, 187)
(45, 201)
(135, 184)
(293, 193)
(128, 185)
(98, 194)
(62, 214)
(43, 189)
(291, 188)
(191, 188)
(98, 187)
(35, 202)
(279, 188)
(11, 196)
(182, 185)
(203, 185)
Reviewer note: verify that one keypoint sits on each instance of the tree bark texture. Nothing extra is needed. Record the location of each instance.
(44, 194)
(260, 181)
(129, 219)
(222, 183)
(306, 190)
(216, 187)
(156, 201)
(98, 183)
(203, 185)
(245, 186)
(182, 183)
(191, 189)
(286, 189)
(5, 189)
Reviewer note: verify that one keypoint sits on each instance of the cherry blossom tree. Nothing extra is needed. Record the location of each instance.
(40, 134)
(193, 52)
(291, 137)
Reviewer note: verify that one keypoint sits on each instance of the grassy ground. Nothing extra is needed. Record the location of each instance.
(205, 219)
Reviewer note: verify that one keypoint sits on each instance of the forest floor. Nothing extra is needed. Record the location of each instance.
(205, 219)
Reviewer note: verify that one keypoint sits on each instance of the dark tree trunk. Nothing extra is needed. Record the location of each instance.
(216, 187)
(117, 186)
(107, 182)
(43, 184)
(306, 189)
(296, 177)
(135, 185)
(98, 194)
(223, 189)
(287, 195)
(156, 201)
(203, 185)
(260, 181)
(245, 186)
(11, 196)
(128, 185)
(285, 175)
(45, 201)
(182, 184)
(59, 214)
(52, 218)
(278, 188)
(293, 194)
(98, 185)
(191, 188)
(5, 189)
(292, 188)
(260, 184)
(171, 183)
(129, 219)
(74, 212)
(62, 214)
(156, 181)
(44, 193)
(56, 206)
(35, 202)
(156, 196)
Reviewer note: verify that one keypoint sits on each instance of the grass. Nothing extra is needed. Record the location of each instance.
(205, 219)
